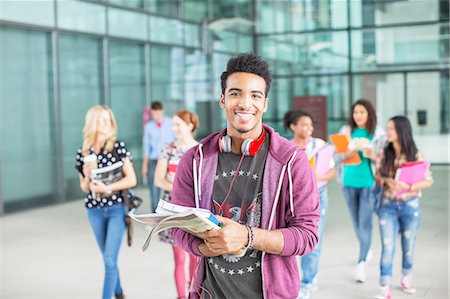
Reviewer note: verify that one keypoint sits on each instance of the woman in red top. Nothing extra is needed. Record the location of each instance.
(185, 124)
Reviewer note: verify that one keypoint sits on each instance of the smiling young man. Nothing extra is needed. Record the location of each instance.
(262, 189)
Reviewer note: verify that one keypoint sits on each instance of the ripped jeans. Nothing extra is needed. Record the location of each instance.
(398, 217)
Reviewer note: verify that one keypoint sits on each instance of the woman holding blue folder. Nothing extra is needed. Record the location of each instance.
(399, 211)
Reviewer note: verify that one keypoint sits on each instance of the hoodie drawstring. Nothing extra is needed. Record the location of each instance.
(277, 196)
(197, 174)
(194, 173)
(200, 172)
(280, 182)
(291, 196)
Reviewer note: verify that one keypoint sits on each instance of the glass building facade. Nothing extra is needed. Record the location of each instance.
(59, 57)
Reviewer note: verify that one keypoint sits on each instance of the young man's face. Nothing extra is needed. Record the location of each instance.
(158, 115)
(244, 102)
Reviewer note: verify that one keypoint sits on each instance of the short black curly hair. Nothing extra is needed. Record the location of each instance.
(292, 117)
(247, 63)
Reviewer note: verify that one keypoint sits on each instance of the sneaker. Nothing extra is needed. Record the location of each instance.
(305, 292)
(407, 284)
(315, 284)
(385, 293)
(359, 273)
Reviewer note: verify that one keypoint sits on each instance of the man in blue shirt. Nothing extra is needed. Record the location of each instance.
(157, 132)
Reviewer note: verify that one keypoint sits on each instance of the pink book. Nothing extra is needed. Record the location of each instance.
(410, 173)
(323, 161)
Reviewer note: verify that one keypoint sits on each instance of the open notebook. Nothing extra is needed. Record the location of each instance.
(168, 215)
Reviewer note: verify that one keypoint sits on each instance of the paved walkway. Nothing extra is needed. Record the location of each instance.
(51, 253)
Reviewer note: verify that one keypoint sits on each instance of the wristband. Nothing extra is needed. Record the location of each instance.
(251, 238)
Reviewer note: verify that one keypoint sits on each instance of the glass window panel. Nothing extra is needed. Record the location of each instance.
(424, 94)
(128, 93)
(428, 94)
(121, 21)
(165, 7)
(223, 9)
(334, 88)
(195, 10)
(27, 150)
(81, 87)
(243, 9)
(282, 16)
(219, 65)
(385, 91)
(165, 30)
(265, 12)
(167, 73)
(405, 46)
(226, 41)
(300, 51)
(283, 98)
(81, 16)
(326, 52)
(268, 47)
(198, 89)
(393, 12)
(35, 12)
(192, 37)
(445, 102)
(279, 48)
(280, 96)
(312, 52)
(282, 67)
(129, 3)
(245, 43)
(301, 15)
(273, 16)
(318, 15)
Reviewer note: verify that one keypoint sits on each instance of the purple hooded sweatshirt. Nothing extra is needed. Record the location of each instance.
(290, 203)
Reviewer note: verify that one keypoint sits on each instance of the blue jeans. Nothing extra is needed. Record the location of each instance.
(155, 192)
(361, 203)
(396, 217)
(310, 262)
(108, 224)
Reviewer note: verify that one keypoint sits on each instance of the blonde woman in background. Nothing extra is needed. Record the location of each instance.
(184, 123)
(105, 203)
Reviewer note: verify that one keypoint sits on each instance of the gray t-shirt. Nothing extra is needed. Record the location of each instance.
(228, 276)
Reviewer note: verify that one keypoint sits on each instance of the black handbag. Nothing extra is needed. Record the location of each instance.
(132, 203)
